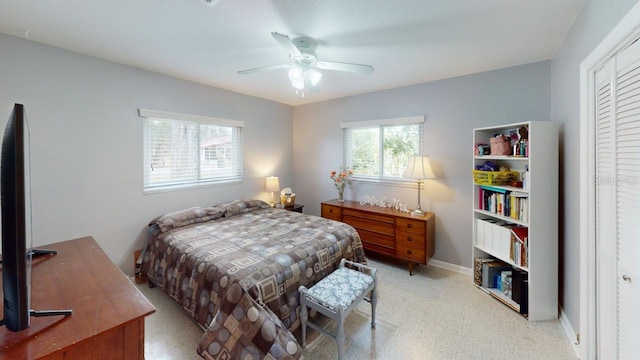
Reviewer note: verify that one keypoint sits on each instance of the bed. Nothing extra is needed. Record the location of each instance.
(235, 269)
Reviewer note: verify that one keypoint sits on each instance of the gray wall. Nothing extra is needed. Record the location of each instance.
(87, 153)
(453, 108)
(86, 143)
(596, 19)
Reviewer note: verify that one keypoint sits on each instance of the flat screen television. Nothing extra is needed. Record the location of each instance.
(15, 195)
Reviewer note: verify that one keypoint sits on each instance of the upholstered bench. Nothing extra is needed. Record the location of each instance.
(335, 296)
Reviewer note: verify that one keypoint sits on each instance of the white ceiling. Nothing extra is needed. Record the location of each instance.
(406, 41)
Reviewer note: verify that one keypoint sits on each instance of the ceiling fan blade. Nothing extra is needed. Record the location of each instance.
(339, 66)
(286, 43)
(264, 68)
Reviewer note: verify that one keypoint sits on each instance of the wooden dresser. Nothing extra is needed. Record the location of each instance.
(387, 231)
(108, 310)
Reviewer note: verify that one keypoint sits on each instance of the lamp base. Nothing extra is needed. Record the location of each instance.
(418, 212)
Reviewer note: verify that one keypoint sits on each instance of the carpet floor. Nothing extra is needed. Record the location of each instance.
(436, 314)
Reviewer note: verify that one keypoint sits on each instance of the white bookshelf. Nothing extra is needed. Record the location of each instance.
(542, 219)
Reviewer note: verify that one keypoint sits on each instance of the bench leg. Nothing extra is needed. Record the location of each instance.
(303, 324)
(374, 302)
(340, 338)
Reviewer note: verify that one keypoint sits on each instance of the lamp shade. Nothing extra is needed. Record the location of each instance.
(314, 76)
(273, 184)
(419, 167)
(296, 76)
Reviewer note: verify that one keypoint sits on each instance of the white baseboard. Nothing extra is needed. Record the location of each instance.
(570, 333)
(452, 267)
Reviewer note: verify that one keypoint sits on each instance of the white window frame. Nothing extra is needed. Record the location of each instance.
(149, 115)
(381, 123)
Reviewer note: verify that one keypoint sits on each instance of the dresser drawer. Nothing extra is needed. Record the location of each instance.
(369, 224)
(411, 253)
(410, 240)
(412, 226)
(331, 212)
(378, 249)
(371, 216)
(373, 238)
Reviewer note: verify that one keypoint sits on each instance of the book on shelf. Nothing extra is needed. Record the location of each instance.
(524, 301)
(494, 189)
(504, 202)
(521, 232)
(519, 246)
(506, 283)
(491, 271)
(518, 294)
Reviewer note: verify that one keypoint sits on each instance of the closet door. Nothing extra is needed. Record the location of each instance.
(627, 164)
(605, 210)
(618, 206)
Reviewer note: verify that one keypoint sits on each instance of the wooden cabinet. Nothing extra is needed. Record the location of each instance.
(108, 310)
(387, 231)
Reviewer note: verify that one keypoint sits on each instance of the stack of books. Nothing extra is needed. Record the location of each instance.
(519, 250)
(503, 202)
(491, 273)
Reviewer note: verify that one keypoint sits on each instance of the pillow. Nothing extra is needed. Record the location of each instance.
(242, 206)
(187, 217)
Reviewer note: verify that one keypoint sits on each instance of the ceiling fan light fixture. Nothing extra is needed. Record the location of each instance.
(296, 74)
(303, 63)
(298, 84)
(314, 76)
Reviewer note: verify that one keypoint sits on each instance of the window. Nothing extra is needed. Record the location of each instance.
(182, 151)
(380, 149)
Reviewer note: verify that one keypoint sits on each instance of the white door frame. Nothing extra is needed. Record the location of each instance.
(618, 38)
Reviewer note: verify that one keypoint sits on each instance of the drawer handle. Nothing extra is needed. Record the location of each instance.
(409, 252)
(331, 211)
(409, 238)
(409, 226)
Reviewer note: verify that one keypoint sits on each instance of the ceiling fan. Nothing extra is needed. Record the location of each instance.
(304, 64)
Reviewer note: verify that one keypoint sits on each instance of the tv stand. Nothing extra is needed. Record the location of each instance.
(43, 313)
(108, 310)
(34, 253)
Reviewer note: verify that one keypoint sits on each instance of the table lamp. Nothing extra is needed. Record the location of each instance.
(419, 168)
(273, 185)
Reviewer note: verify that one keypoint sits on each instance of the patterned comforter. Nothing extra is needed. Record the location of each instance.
(236, 268)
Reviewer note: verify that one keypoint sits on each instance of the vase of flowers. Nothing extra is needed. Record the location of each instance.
(340, 180)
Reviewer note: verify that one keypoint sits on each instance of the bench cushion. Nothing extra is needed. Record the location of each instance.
(341, 287)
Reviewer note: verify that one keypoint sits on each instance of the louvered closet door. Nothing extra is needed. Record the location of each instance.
(618, 206)
(627, 155)
(605, 210)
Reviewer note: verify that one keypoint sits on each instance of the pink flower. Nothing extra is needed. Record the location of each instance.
(342, 178)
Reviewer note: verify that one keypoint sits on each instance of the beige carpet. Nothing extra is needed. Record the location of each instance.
(435, 314)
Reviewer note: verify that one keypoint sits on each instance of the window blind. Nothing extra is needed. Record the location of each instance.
(183, 150)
